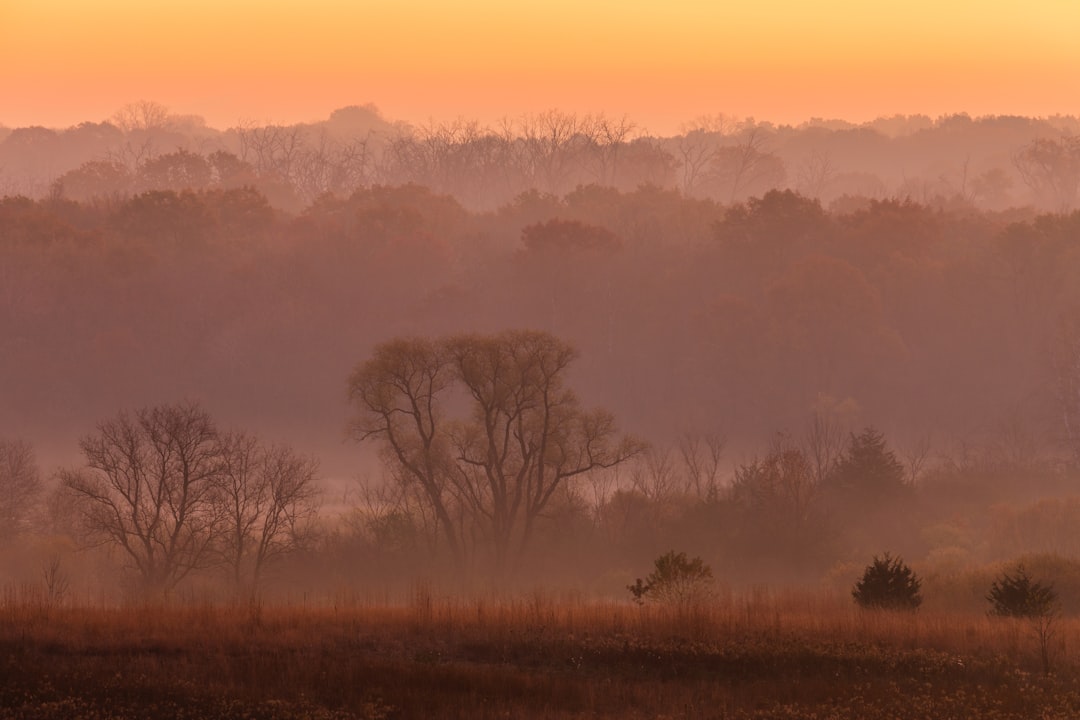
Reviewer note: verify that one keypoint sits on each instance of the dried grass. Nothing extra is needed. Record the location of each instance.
(763, 654)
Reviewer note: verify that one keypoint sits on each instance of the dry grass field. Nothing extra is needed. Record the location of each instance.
(762, 655)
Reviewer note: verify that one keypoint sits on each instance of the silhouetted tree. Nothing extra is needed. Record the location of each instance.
(1051, 168)
(141, 115)
(399, 395)
(525, 437)
(746, 166)
(888, 584)
(868, 470)
(20, 487)
(1018, 595)
(149, 488)
(268, 499)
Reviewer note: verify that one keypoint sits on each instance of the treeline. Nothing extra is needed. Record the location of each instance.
(496, 477)
(992, 162)
(688, 313)
(703, 328)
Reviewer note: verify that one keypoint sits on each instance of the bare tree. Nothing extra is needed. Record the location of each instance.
(20, 487)
(816, 172)
(528, 435)
(493, 473)
(553, 143)
(780, 491)
(399, 395)
(328, 165)
(697, 146)
(654, 474)
(747, 165)
(141, 115)
(1051, 168)
(609, 138)
(823, 444)
(268, 498)
(132, 154)
(915, 457)
(460, 158)
(273, 150)
(149, 489)
(395, 516)
(701, 461)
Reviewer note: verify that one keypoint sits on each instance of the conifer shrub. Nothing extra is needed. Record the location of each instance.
(1018, 595)
(888, 584)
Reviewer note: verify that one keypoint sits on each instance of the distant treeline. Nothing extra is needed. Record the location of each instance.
(687, 312)
(992, 162)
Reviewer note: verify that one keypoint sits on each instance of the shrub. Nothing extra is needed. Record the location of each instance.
(1019, 596)
(888, 584)
(675, 579)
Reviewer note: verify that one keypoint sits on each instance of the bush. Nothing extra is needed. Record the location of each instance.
(676, 580)
(888, 584)
(1019, 596)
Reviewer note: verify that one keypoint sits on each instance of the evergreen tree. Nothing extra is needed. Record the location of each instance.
(888, 584)
(868, 469)
(1019, 596)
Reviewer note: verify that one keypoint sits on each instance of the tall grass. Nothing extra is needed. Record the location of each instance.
(766, 653)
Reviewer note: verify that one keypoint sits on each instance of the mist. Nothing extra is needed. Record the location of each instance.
(728, 292)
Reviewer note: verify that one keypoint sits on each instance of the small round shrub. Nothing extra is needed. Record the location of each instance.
(676, 580)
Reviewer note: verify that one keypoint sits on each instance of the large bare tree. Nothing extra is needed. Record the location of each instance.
(494, 470)
(149, 488)
(528, 434)
(399, 395)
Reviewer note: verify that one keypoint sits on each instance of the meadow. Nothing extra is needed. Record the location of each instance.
(761, 654)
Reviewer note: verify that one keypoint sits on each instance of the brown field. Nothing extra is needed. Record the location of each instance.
(762, 655)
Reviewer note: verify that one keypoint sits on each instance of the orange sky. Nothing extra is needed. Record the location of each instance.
(660, 63)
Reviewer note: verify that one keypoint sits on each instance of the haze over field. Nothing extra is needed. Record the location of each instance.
(68, 61)
(754, 302)
(568, 359)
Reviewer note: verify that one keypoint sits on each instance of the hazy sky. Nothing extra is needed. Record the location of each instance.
(660, 62)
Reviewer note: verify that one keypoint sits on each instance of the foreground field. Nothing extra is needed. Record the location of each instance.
(762, 656)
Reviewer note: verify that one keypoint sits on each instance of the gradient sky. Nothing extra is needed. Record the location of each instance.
(661, 63)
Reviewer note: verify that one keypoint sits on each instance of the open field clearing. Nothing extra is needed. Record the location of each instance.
(760, 656)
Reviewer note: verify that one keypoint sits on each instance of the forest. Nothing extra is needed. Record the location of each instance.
(363, 364)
